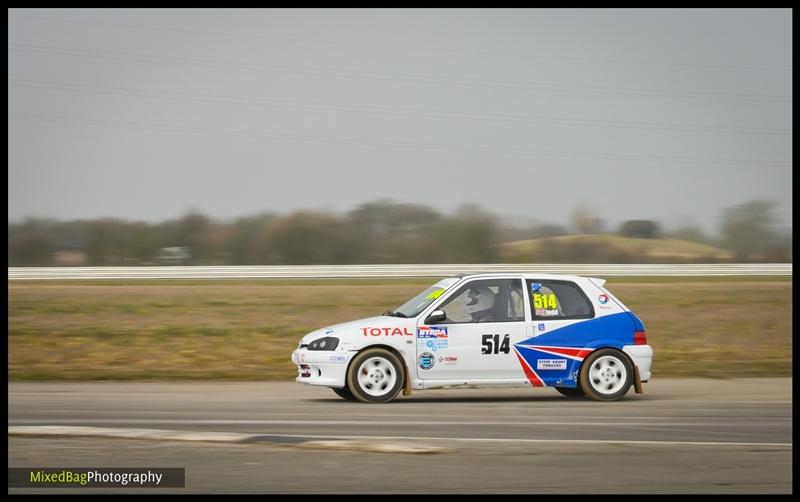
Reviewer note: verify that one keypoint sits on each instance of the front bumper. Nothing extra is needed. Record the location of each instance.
(321, 367)
(642, 356)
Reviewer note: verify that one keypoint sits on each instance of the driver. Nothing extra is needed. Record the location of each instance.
(479, 303)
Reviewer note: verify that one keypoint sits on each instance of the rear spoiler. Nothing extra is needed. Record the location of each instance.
(597, 282)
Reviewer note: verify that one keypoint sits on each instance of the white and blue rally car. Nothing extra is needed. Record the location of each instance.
(482, 330)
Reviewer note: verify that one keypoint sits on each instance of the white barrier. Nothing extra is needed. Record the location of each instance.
(366, 271)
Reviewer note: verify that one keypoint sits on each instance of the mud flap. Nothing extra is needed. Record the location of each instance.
(407, 390)
(637, 381)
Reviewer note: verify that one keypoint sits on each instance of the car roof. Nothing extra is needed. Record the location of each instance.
(524, 275)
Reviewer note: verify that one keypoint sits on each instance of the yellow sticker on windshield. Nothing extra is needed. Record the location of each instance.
(435, 294)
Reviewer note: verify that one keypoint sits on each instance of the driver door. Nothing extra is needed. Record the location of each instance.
(470, 345)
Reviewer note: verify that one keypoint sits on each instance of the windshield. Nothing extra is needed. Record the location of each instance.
(414, 306)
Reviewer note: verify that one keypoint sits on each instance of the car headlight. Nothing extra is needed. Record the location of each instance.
(325, 343)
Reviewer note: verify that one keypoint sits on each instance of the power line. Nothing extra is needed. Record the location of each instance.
(372, 45)
(395, 144)
(410, 112)
(430, 79)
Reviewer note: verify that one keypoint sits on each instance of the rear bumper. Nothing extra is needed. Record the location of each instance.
(642, 357)
(321, 367)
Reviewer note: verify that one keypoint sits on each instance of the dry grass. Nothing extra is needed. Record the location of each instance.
(733, 327)
(247, 330)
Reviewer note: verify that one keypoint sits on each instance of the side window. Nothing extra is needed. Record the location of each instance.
(558, 300)
(488, 300)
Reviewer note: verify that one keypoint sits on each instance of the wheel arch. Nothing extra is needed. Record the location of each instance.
(613, 346)
(593, 347)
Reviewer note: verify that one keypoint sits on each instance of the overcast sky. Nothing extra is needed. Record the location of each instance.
(147, 114)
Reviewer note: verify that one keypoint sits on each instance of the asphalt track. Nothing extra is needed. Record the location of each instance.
(680, 436)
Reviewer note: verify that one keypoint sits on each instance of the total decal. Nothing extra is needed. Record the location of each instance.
(386, 332)
(602, 300)
(432, 338)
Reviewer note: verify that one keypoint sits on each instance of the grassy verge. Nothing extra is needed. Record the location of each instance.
(245, 330)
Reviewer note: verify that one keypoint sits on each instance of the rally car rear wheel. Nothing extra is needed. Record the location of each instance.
(606, 375)
(375, 376)
(571, 391)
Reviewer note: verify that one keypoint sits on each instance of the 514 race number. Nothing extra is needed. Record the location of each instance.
(490, 344)
(541, 301)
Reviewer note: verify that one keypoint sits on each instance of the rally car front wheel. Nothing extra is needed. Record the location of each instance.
(375, 376)
(606, 375)
(344, 393)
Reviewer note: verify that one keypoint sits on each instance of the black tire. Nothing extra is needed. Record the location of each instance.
(606, 375)
(375, 376)
(572, 392)
(344, 393)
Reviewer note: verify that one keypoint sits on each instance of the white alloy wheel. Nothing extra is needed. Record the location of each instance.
(377, 376)
(606, 375)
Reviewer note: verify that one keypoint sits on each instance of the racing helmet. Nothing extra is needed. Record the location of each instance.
(478, 299)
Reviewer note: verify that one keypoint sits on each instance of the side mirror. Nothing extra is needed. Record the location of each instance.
(436, 316)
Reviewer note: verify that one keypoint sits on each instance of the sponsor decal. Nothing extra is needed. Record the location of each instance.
(437, 344)
(541, 326)
(433, 344)
(432, 332)
(536, 286)
(432, 337)
(448, 360)
(338, 357)
(434, 294)
(426, 360)
(551, 364)
(603, 299)
(547, 313)
(328, 331)
(386, 332)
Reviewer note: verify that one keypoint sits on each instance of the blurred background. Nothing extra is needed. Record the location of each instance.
(387, 232)
(271, 136)
(357, 136)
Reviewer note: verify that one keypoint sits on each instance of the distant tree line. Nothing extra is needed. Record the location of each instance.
(376, 232)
